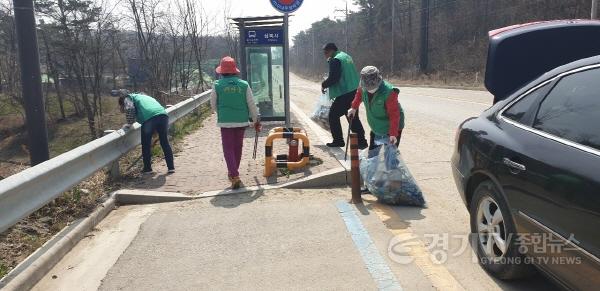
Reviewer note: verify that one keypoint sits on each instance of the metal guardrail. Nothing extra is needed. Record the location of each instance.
(23, 193)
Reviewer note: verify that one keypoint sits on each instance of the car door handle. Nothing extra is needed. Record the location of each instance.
(514, 165)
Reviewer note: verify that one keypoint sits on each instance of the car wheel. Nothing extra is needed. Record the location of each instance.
(494, 235)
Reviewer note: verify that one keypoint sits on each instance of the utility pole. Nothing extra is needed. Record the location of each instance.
(594, 9)
(313, 48)
(345, 11)
(31, 81)
(347, 20)
(286, 67)
(424, 35)
(393, 36)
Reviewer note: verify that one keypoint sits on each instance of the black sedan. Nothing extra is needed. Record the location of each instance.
(528, 168)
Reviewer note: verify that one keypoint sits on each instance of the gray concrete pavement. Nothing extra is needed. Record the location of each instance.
(432, 117)
(264, 240)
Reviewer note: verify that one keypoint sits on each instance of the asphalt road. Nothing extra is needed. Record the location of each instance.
(432, 117)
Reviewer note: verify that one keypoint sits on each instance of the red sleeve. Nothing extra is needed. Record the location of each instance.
(357, 99)
(393, 111)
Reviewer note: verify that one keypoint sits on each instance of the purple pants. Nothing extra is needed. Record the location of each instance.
(233, 141)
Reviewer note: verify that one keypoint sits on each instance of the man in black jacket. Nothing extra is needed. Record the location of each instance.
(342, 82)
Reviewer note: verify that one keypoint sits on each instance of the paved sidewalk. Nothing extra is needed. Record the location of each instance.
(201, 167)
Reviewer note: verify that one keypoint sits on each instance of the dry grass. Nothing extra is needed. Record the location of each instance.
(450, 80)
(473, 81)
(29, 234)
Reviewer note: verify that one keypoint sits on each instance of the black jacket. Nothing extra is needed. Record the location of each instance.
(335, 73)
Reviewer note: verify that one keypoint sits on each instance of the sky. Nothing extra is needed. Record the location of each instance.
(310, 11)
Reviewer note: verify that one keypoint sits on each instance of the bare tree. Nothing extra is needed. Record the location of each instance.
(146, 15)
(9, 65)
(231, 36)
(197, 29)
(73, 20)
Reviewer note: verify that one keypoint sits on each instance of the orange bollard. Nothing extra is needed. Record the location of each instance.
(355, 169)
(293, 150)
(271, 163)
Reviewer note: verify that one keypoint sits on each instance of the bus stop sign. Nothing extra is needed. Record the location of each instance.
(265, 36)
(286, 6)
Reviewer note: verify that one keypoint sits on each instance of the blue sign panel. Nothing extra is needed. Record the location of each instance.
(264, 36)
(286, 6)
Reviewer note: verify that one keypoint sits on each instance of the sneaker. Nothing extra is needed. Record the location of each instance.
(147, 172)
(336, 144)
(236, 183)
(171, 171)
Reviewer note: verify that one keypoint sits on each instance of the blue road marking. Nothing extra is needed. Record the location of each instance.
(380, 271)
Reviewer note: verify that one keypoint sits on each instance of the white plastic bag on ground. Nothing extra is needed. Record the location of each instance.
(388, 178)
(321, 113)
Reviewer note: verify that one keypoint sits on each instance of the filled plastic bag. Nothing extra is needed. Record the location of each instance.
(387, 177)
(321, 113)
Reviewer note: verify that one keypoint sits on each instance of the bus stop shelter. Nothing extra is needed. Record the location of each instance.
(264, 63)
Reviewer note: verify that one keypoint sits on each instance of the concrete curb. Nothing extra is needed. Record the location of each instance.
(326, 179)
(138, 197)
(38, 264)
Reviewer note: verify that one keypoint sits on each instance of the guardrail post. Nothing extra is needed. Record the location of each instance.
(171, 127)
(354, 169)
(114, 171)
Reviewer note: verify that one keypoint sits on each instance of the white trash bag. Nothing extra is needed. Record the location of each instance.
(321, 113)
(387, 177)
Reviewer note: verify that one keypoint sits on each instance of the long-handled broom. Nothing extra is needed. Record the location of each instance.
(255, 140)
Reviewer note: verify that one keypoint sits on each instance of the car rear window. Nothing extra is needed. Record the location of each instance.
(518, 110)
(572, 109)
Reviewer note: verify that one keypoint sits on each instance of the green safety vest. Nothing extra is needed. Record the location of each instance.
(146, 107)
(376, 112)
(231, 100)
(349, 78)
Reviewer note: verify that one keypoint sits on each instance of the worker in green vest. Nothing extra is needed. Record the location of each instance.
(152, 116)
(341, 85)
(384, 112)
(232, 100)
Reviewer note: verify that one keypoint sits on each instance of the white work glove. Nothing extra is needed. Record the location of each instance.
(351, 113)
(393, 140)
